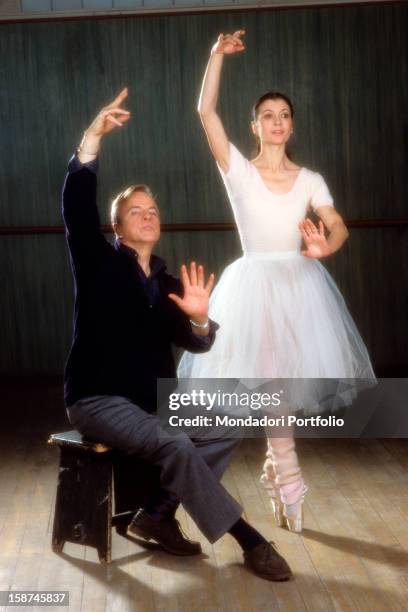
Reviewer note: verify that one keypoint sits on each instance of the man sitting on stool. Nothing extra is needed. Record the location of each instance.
(128, 312)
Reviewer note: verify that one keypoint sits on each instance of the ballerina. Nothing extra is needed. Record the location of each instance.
(281, 314)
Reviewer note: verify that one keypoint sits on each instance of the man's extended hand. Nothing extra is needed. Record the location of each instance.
(196, 294)
(110, 117)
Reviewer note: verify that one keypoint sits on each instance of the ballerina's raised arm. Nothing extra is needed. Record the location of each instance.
(226, 44)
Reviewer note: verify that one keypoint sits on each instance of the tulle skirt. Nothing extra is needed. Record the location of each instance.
(281, 316)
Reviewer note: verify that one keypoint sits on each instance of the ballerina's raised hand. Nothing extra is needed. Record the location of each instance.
(229, 43)
(317, 245)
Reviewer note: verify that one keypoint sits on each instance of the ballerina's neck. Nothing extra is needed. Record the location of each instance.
(278, 183)
(278, 173)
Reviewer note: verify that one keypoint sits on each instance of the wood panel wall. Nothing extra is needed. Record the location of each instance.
(346, 71)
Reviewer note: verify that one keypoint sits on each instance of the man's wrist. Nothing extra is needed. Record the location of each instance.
(89, 147)
(83, 150)
(201, 323)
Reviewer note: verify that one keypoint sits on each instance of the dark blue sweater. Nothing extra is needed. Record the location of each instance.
(124, 323)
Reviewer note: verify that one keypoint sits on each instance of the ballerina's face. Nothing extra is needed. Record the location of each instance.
(274, 122)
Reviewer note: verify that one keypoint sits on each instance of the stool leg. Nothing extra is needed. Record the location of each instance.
(105, 555)
(57, 545)
(105, 546)
(83, 506)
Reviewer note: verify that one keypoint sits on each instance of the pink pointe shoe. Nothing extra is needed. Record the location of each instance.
(293, 513)
(276, 503)
(277, 507)
(292, 497)
(289, 514)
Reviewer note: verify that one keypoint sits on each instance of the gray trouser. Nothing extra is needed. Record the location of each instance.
(190, 467)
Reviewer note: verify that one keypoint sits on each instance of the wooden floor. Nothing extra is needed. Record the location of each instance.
(352, 554)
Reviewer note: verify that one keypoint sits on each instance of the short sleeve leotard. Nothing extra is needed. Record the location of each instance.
(268, 221)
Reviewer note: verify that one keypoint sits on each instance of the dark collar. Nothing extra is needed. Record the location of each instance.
(157, 264)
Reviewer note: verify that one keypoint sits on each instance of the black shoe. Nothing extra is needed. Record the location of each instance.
(267, 563)
(167, 533)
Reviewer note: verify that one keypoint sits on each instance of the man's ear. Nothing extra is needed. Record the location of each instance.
(116, 229)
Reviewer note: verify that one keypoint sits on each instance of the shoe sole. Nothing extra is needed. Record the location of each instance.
(136, 531)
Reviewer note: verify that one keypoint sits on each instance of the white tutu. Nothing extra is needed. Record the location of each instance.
(281, 315)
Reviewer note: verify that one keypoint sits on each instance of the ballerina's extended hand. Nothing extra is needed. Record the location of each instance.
(316, 242)
(196, 295)
(229, 43)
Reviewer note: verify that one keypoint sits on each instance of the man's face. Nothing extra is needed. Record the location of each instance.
(139, 220)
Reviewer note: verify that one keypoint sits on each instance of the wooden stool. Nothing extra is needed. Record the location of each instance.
(88, 472)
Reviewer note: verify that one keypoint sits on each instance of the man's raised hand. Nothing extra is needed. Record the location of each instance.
(110, 117)
(196, 293)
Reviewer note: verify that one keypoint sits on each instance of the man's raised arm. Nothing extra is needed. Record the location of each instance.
(79, 207)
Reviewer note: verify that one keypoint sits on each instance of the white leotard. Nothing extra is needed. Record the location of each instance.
(269, 221)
